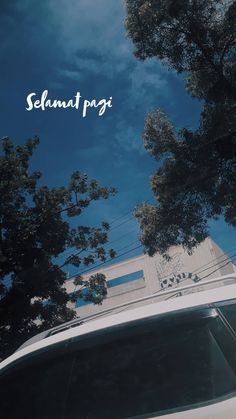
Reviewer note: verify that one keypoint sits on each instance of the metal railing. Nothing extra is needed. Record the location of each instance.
(161, 294)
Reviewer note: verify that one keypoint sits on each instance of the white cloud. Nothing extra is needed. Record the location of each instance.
(90, 42)
(128, 138)
(93, 39)
(148, 83)
(95, 26)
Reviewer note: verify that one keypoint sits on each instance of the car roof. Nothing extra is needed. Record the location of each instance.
(82, 327)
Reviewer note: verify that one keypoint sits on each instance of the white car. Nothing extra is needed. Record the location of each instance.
(174, 359)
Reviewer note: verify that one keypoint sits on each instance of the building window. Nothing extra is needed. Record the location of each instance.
(80, 302)
(133, 276)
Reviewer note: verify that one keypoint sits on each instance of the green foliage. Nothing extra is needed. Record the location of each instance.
(195, 180)
(34, 231)
(94, 286)
(192, 36)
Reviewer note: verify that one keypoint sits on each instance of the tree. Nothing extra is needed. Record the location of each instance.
(195, 180)
(34, 231)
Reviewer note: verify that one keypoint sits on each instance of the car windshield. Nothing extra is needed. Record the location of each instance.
(154, 366)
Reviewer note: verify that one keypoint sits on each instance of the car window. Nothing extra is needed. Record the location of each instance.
(147, 367)
(229, 311)
(151, 370)
(36, 387)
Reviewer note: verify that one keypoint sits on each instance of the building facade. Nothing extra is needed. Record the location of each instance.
(143, 276)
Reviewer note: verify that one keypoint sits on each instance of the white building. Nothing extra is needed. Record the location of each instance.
(144, 276)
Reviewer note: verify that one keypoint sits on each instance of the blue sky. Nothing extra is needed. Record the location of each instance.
(66, 46)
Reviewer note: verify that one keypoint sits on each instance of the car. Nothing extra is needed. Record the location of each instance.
(169, 357)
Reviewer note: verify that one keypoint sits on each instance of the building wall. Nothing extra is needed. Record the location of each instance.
(144, 276)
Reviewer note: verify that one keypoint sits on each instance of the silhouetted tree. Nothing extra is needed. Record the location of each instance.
(34, 231)
(196, 178)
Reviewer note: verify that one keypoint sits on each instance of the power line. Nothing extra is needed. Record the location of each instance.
(206, 276)
(127, 213)
(113, 228)
(123, 222)
(206, 269)
(107, 244)
(196, 271)
(103, 263)
(219, 267)
(128, 245)
(109, 260)
(216, 258)
(228, 258)
(120, 217)
(120, 238)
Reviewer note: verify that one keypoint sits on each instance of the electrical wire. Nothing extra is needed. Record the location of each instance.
(206, 269)
(109, 260)
(216, 258)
